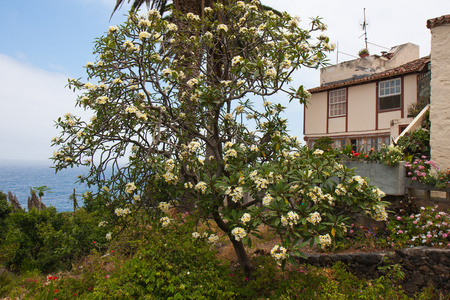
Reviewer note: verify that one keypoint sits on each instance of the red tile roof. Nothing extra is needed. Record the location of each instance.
(411, 67)
(438, 21)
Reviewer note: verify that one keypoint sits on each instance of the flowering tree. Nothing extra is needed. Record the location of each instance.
(179, 119)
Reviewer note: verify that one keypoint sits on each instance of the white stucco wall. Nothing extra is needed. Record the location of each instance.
(440, 95)
(410, 92)
(362, 107)
(336, 125)
(384, 118)
(316, 114)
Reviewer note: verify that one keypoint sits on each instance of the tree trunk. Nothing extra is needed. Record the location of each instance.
(242, 256)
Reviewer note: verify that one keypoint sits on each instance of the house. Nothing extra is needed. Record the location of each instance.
(365, 102)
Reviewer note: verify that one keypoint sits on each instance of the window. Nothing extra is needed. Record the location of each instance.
(337, 102)
(389, 94)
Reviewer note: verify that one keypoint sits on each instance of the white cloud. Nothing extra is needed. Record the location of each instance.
(30, 100)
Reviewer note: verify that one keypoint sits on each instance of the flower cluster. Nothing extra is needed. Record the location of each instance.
(121, 212)
(164, 206)
(379, 213)
(169, 176)
(340, 190)
(165, 221)
(290, 219)
(213, 238)
(130, 188)
(235, 194)
(267, 199)
(134, 110)
(239, 233)
(314, 218)
(428, 227)
(325, 240)
(246, 218)
(318, 152)
(279, 253)
(420, 168)
(201, 186)
(316, 194)
(261, 183)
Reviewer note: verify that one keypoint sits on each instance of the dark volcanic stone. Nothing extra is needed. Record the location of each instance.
(368, 259)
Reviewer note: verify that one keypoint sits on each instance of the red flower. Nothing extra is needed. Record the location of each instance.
(112, 251)
(95, 242)
(356, 154)
(365, 156)
(246, 279)
(56, 291)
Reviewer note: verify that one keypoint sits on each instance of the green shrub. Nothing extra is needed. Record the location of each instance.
(47, 240)
(168, 265)
(416, 144)
(324, 143)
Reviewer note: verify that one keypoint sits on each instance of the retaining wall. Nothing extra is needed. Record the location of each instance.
(423, 266)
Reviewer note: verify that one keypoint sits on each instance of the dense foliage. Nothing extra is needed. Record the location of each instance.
(152, 262)
(46, 240)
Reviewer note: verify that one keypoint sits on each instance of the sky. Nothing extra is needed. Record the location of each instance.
(45, 42)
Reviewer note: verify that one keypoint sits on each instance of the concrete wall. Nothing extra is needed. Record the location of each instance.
(361, 67)
(440, 95)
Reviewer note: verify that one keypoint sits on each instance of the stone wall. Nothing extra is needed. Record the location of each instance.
(423, 266)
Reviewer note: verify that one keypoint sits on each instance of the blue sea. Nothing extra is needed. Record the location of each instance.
(19, 176)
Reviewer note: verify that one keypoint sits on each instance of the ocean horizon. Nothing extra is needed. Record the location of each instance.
(17, 176)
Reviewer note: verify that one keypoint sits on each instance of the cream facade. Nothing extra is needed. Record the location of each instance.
(440, 91)
(367, 110)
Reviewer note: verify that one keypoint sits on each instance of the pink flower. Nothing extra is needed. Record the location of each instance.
(437, 216)
(414, 222)
(429, 236)
(409, 173)
(421, 167)
(411, 216)
(351, 231)
(400, 231)
(423, 156)
(414, 178)
(399, 218)
(444, 235)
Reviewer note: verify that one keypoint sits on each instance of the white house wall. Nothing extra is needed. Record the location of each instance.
(336, 125)
(361, 107)
(410, 92)
(316, 114)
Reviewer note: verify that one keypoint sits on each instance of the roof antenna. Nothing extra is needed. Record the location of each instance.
(364, 27)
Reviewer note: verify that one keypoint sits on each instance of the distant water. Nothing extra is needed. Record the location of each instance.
(19, 176)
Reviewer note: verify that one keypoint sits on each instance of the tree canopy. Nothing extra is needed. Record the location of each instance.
(177, 102)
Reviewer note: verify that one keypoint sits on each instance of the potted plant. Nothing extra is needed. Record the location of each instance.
(363, 52)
